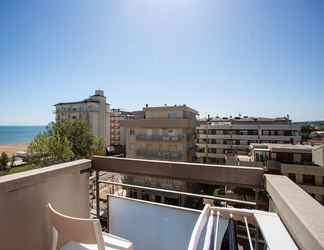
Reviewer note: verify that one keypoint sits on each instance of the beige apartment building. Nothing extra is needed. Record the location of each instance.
(220, 138)
(94, 110)
(161, 133)
(303, 164)
(118, 133)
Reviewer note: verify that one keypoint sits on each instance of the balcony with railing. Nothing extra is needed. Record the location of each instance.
(159, 154)
(296, 222)
(158, 137)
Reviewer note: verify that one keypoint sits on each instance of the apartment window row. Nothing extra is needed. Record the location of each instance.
(306, 179)
(228, 131)
(225, 142)
(212, 160)
(279, 132)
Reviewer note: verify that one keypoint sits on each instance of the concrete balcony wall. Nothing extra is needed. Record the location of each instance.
(245, 137)
(23, 200)
(301, 214)
(279, 138)
(318, 155)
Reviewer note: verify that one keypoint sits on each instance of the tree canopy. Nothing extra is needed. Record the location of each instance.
(65, 141)
(4, 159)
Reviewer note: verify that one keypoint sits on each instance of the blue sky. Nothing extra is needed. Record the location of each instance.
(217, 56)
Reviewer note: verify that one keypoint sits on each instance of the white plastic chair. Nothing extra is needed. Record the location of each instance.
(82, 234)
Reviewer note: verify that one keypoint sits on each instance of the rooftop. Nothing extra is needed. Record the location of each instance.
(171, 108)
(247, 120)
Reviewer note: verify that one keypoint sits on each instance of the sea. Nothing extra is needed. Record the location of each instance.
(18, 134)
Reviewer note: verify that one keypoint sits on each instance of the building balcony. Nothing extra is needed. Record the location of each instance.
(245, 137)
(205, 136)
(25, 224)
(210, 155)
(279, 138)
(160, 154)
(157, 137)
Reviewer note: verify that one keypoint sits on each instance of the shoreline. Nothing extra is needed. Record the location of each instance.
(11, 149)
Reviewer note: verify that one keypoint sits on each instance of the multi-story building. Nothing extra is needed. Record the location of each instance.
(94, 110)
(219, 137)
(303, 164)
(117, 133)
(161, 133)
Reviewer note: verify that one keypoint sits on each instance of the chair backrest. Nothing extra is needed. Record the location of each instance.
(75, 229)
(199, 227)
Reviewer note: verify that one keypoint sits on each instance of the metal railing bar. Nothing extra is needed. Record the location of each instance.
(248, 233)
(250, 203)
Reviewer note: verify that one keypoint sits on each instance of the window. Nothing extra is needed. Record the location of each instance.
(131, 132)
(220, 151)
(172, 115)
(308, 179)
(133, 194)
(145, 197)
(292, 177)
(297, 158)
(158, 198)
(171, 132)
(212, 150)
(212, 141)
(171, 201)
(149, 132)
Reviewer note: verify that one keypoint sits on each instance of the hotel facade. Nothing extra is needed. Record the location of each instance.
(94, 110)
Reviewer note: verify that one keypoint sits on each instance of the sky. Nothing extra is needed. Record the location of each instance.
(220, 57)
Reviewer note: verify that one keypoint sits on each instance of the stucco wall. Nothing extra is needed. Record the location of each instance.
(23, 198)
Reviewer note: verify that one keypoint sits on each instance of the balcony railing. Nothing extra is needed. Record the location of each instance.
(157, 137)
(160, 154)
(24, 196)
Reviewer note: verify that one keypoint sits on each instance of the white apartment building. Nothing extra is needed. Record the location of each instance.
(221, 137)
(94, 110)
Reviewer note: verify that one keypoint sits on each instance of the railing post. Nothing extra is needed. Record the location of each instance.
(256, 227)
(97, 195)
(107, 213)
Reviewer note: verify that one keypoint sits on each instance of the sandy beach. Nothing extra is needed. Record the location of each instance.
(11, 149)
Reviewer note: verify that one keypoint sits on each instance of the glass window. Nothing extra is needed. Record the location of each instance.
(172, 115)
(308, 179)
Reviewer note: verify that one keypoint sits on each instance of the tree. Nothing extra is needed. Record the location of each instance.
(78, 135)
(48, 149)
(4, 159)
(306, 131)
(12, 161)
(64, 142)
